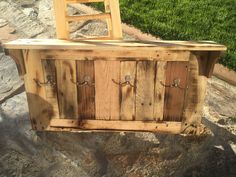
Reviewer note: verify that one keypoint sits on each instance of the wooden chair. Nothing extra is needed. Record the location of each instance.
(111, 15)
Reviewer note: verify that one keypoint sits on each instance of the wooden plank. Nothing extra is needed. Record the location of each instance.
(86, 94)
(101, 16)
(159, 92)
(115, 55)
(40, 109)
(109, 21)
(82, 1)
(107, 98)
(128, 69)
(49, 71)
(60, 17)
(115, 19)
(174, 96)
(145, 90)
(168, 127)
(67, 89)
(144, 46)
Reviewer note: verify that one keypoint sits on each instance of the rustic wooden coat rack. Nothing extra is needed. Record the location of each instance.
(114, 85)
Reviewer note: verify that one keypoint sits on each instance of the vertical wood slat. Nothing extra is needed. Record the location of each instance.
(145, 90)
(115, 19)
(128, 68)
(159, 91)
(67, 89)
(107, 99)
(49, 70)
(86, 94)
(174, 97)
(60, 18)
(40, 110)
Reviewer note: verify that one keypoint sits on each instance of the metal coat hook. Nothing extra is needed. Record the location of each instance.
(126, 82)
(50, 81)
(87, 81)
(175, 84)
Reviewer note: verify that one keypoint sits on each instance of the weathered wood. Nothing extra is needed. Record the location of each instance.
(159, 92)
(168, 127)
(86, 93)
(174, 96)
(195, 94)
(40, 109)
(145, 90)
(107, 98)
(128, 70)
(67, 89)
(119, 45)
(49, 71)
(118, 54)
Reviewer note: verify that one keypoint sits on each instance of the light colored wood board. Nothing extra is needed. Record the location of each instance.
(159, 92)
(109, 21)
(117, 54)
(128, 68)
(168, 127)
(40, 110)
(82, 1)
(107, 99)
(60, 18)
(174, 96)
(157, 45)
(101, 16)
(86, 94)
(17, 56)
(49, 70)
(67, 88)
(195, 95)
(115, 19)
(145, 90)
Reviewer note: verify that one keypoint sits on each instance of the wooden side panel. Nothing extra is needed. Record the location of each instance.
(49, 71)
(67, 88)
(174, 96)
(40, 110)
(17, 56)
(197, 84)
(159, 93)
(107, 92)
(128, 69)
(145, 90)
(86, 94)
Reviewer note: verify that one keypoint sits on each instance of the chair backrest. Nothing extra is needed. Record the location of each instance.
(111, 16)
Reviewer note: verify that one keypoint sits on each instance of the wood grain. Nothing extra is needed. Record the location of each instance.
(40, 110)
(107, 98)
(159, 92)
(67, 89)
(86, 94)
(128, 68)
(174, 96)
(151, 126)
(145, 90)
(49, 70)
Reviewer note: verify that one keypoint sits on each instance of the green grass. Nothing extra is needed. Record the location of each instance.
(186, 20)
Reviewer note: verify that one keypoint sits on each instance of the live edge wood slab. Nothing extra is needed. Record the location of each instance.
(154, 86)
